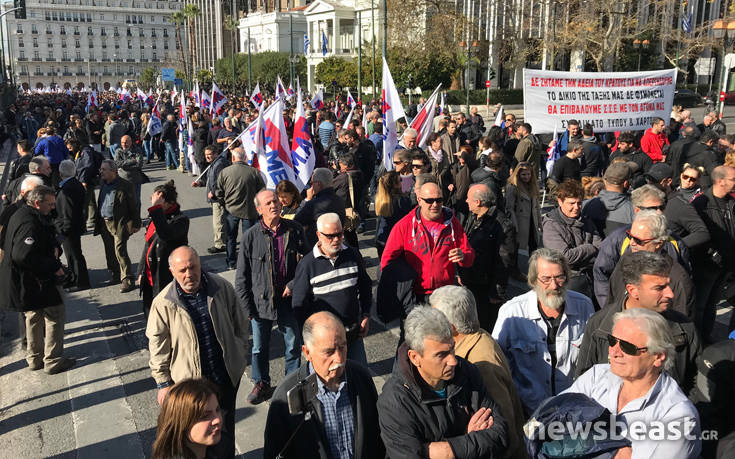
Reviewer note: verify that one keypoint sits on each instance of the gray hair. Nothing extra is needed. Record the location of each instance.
(67, 168)
(574, 145)
(329, 217)
(656, 329)
(655, 222)
(29, 183)
(262, 190)
(323, 176)
(425, 322)
(410, 132)
(546, 254)
(110, 163)
(484, 194)
(35, 164)
(38, 193)
(458, 304)
(633, 265)
(312, 323)
(421, 179)
(646, 192)
(237, 152)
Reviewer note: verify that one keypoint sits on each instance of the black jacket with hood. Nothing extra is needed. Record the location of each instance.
(609, 211)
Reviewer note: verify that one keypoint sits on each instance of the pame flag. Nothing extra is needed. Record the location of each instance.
(302, 150)
(206, 102)
(317, 103)
(257, 98)
(275, 160)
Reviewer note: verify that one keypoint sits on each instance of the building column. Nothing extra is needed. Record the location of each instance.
(335, 35)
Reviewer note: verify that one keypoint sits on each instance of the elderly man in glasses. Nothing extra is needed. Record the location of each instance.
(541, 330)
(657, 417)
(431, 240)
(332, 277)
(646, 276)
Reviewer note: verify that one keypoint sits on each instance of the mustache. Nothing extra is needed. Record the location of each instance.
(336, 366)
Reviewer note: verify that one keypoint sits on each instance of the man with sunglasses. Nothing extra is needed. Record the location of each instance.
(332, 277)
(540, 331)
(646, 276)
(431, 240)
(635, 388)
(647, 197)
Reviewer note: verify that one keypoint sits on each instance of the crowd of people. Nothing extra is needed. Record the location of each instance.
(628, 238)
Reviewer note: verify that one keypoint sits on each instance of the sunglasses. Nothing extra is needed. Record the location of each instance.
(626, 347)
(397, 162)
(431, 201)
(637, 240)
(417, 166)
(332, 236)
(661, 208)
(689, 178)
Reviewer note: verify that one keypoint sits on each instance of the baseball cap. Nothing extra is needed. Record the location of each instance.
(617, 173)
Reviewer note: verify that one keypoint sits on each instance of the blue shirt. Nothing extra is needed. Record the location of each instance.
(339, 422)
(106, 199)
(210, 351)
(377, 140)
(664, 404)
(326, 130)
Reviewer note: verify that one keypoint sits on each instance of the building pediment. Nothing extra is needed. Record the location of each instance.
(324, 6)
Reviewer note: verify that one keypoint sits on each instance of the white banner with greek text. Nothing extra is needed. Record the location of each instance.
(609, 101)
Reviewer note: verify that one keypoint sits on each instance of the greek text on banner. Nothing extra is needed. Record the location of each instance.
(609, 101)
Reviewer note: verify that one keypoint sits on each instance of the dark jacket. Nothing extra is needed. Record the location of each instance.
(678, 152)
(684, 222)
(342, 187)
(199, 139)
(94, 132)
(642, 160)
(70, 208)
(88, 164)
(594, 348)
(130, 164)
(612, 249)
(578, 239)
(412, 415)
(210, 178)
(720, 221)
(254, 279)
(125, 211)
(311, 439)
(12, 191)
(680, 282)
(395, 297)
(169, 232)
(237, 185)
(493, 181)
(609, 211)
(485, 236)
(323, 202)
(593, 159)
(169, 132)
(701, 155)
(27, 280)
(566, 168)
(19, 166)
(401, 207)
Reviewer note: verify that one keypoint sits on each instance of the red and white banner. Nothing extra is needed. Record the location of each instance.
(392, 112)
(274, 161)
(257, 97)
(303, 156)
(609, 101)
(218, 99)
(424, 121)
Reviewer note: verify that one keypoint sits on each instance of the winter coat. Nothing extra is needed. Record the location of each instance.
(593, 159)
(53, 148)
(412, 415)
(27, 271)
(486, 236)
(165, 232)
(70, 208)
(199, 139)
(525, 213)
(311, 439)
(401, 206)
(210, 178)
(576, 238)
(700, 155)
(125, 212)
(594, 348)
(721, 225)
(323, 202)
(492, 180)
(609, 211)
(88, 162)
(684, 222)
(237, 185)
(130, 164)
(19, 166)
(255, 267)
(410, 240)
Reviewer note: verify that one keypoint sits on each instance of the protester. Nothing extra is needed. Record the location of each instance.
(654, 140)
(320, 199)
(70, 224)
(129, 161)
(391, 205)
(343, 419)
(289, 197)
(196, 328)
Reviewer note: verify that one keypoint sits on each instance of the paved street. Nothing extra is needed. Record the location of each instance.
(105, 407)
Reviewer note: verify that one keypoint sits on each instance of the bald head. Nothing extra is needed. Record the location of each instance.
(320, 323)
(186, 268)
(126, 142)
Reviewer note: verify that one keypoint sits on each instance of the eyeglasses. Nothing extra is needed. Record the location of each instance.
(431, 201)
(628, 348)
(332, 236)
(637, 240)
(547, 279)
(689, 178)
(417, 166)
(660, 208)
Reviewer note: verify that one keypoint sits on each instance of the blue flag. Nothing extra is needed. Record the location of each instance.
(306, 44)
(324, 44)
(686, 22)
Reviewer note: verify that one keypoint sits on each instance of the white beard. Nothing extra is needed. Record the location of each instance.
(551, 300)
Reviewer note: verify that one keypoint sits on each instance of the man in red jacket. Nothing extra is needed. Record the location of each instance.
(654, 140)
(431, 240)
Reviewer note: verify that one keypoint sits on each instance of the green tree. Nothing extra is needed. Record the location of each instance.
(147, 78)
(204, 76)
(266, 68)
(178, 19)
(338, 69)
(190, 13)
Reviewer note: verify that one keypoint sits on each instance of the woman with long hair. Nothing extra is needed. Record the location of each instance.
(167, 230)
(390, 206)
(289, 197)
(190, 421)
(524, 210)
(461, 178)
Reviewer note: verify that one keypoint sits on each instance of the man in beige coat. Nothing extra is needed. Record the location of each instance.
(479, 348)
(196, 329)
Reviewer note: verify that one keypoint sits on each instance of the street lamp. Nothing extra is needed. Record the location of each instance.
(640, 46)
(469, 48)
(725, 30)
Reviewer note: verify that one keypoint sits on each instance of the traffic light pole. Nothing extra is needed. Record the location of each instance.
(2, 41)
